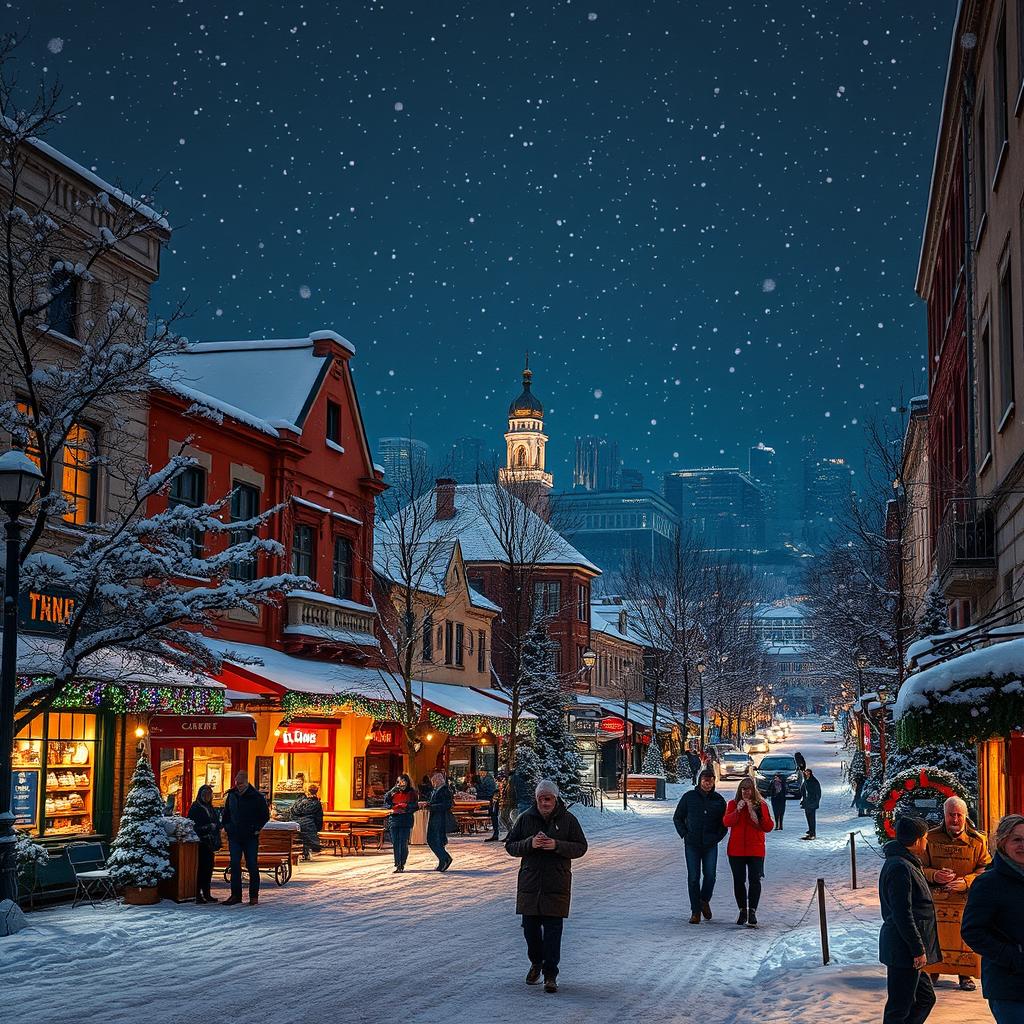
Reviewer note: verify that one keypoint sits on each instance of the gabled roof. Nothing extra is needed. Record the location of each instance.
(604, 619)
(477, 537)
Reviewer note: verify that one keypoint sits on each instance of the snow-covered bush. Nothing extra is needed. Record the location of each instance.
(179, 829)
(28, 854)
(139, 854)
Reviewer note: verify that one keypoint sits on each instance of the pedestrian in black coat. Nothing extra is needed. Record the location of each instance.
(698, 820)
(245, 813)
(693, 762)
(810, 801)
(777, 795)
(547, 838)
(206, 819)
(993, 923)
(308, 813)
(440, 806)
(801, 763)
(909, 939)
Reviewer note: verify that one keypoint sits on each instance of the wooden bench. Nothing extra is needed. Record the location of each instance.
(642, 786)
(338, 839)
(276, 855)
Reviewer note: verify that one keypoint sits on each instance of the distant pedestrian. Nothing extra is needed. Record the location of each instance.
(547, 838)
(308, 813)
(495, 791)
(693, 761)
(206, 819)
(426, 787)
(801, 763)
(908, 940)
(748, 820)
(245, 813)
(440, 805)
(402, 801)
(698, 820)
(777, 794)
(810, 801)
(993, 923)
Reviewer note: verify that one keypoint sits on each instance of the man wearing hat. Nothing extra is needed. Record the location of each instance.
(909, 940)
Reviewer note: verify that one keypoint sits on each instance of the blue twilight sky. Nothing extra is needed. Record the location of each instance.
(702, 219)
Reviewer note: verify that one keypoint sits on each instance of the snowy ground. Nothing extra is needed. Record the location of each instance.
(347, 940)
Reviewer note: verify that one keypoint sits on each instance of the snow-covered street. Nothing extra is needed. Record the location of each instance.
(347, 940)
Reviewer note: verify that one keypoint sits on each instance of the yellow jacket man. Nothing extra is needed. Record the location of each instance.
(956, 855)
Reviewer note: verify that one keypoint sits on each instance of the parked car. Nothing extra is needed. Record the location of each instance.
(716, 751)
(734, 764)
(785, 765)
(755, 745)
(828, 726)
(776, 734)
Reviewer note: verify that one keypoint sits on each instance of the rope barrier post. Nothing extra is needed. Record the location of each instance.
(822, 923)
(853, 860)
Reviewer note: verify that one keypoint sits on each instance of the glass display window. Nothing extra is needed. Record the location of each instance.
(54, 762)
(294, 774)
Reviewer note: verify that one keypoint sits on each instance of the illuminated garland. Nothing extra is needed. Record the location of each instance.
(293, 703)
(914, 782)
(131, 698)
(460, 725)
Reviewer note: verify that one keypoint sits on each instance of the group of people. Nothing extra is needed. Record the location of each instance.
(950, 864)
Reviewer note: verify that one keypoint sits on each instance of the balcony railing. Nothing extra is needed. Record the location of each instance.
(966, 542)
(314, 614)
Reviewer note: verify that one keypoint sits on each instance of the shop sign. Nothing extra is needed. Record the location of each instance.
(302, 737)
(585, 726)
(613, 725)
(203, 727)
(45, 612)
(358, 778)
(385, 737)
(25, 795)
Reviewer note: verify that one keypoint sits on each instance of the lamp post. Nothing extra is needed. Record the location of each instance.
(701, 669)
(883, 697)
(861, 661)
(19, 481)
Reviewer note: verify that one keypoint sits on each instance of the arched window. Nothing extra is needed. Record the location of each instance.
(521, 458)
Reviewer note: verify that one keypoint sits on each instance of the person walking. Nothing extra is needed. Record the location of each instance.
(810, 801)
(490, 790)
(402, 801)
(206, 819)
(748, 820)
(308, 813)
(801, 763)
(956, 855)
(547, 838)
(245, 813)
(908, 940)
(440, 805)
(777, 795)
(698, 820)
(693, 761)
(993, 923)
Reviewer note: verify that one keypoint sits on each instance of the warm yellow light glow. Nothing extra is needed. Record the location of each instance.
(140, 731)
(430, 736)
(277, 732)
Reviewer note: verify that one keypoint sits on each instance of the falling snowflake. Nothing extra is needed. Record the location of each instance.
(399, 106)
(768, 284)
(598, 393)
(55, 45)
(592, 16)
(305, 291)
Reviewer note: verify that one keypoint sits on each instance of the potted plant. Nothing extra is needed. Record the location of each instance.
(139, 857)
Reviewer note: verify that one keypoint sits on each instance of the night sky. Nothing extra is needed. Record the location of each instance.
(702, 219)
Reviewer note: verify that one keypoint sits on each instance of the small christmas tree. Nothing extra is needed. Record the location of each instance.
(654, 760)
(544, 697)
(934, 620)
(139, 854)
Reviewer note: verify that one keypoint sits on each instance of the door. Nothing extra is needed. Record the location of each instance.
(182, 767)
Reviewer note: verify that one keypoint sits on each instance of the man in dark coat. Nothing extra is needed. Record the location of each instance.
(487, 789)
(245, 813)
(698, 820)
(693, 762)
(810, 801)
(547, 838)
(308, 813)
(440, 805)
(909, 939)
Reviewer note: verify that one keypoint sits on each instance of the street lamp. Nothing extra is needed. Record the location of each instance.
(19, 482)
(861, 661)
(589, 659)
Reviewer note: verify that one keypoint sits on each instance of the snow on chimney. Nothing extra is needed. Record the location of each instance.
(444, 489)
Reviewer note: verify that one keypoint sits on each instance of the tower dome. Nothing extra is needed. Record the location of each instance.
(527, 405)
(525, 440)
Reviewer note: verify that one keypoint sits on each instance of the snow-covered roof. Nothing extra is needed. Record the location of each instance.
(786, 611)
(969, 679)
(604, 619)
(463, 700)
(475, 504)
(41, 655)
(478, 600)
(267, 384)
(638, 714)
(304, 675)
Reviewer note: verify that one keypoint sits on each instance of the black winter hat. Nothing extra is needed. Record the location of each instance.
(909, 830)
(706, 773)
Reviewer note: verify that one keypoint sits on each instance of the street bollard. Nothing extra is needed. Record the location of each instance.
(853, 860)
(821, 922)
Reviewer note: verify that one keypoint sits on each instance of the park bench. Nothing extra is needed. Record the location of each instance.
(642, 785)
(276, 855)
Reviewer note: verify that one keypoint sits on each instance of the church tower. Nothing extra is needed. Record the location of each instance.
(525, 440)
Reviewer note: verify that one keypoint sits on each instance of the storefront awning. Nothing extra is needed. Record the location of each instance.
(637, 714)
(459, 709)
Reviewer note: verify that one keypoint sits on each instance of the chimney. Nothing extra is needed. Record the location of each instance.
(444, 489)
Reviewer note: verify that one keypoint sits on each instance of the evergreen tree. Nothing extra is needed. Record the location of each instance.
(139, 854)
(544, 697)
(654, 760)
(934, 620)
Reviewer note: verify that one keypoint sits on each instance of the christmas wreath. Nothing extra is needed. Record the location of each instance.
(913, 784)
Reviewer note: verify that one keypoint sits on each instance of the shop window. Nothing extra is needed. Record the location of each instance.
(334, 422)
(62, 311)
(189, 488)
(428, 637)
(342, 574)
(54, 769)
(460, 638)
(481, 651)
(295, 773)
(302, 550)
(245, 505)
(31, 441)
(78, 482)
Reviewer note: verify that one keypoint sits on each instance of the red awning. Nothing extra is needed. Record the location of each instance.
(202, 727)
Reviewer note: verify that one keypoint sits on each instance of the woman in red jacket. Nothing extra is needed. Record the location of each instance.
(748, 821)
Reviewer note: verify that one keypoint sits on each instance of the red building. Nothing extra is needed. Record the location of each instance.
(277, 424)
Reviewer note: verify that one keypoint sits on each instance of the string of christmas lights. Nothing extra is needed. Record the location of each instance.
(130, 698)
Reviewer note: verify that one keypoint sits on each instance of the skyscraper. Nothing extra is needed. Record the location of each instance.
(406, 463)
(724, 506)
(828, 491)
(598, 466)
(470, 460)
(764, 471)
